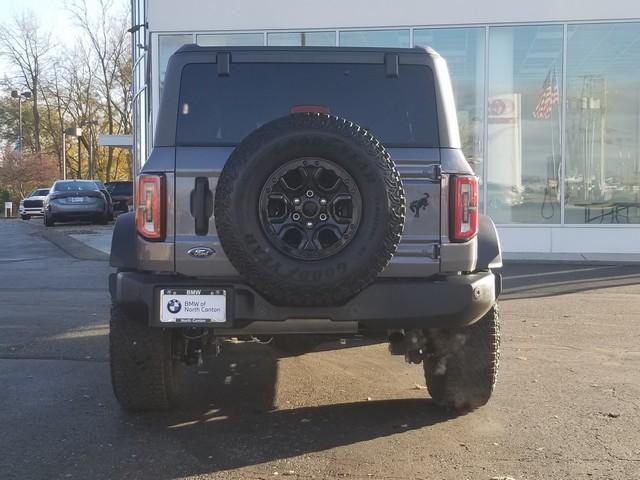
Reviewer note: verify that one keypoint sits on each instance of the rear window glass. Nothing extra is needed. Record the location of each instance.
(223, 110)
(120, 188)
(75, 186)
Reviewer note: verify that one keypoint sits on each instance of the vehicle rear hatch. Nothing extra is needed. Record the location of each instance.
(221, 103)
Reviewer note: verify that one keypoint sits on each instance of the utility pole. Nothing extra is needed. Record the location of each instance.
(64, 155)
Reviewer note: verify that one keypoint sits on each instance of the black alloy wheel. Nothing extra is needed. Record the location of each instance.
(310, 208)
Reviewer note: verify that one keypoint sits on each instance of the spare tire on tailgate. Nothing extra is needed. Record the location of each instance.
(309, 209)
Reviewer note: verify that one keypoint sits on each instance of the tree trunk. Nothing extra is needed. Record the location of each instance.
(36, 116)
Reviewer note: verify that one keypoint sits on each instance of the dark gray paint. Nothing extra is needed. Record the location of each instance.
(425, 248)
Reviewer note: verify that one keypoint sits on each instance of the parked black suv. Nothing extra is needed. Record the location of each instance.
(295, 193)
(122, 194)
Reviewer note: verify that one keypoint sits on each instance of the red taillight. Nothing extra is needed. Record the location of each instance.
(464, 208)
(149, 210)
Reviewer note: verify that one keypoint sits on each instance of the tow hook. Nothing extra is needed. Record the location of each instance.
(412, 344)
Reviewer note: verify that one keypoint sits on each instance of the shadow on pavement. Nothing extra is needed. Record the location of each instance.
(543, 280)
(231, 424)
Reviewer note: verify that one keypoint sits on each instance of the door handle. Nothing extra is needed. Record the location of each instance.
(201, 205)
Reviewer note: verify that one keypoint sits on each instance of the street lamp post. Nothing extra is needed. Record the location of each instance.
(70, 132)
(64, 155)
(20, 96)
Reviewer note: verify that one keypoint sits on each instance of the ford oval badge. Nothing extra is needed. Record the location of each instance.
(201, 252)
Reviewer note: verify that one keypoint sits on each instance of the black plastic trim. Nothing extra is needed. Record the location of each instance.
(489, 252)
(445, 301)
(123, 243)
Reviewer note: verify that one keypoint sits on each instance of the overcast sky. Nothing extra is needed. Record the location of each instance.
(51, 13)
(53, 17)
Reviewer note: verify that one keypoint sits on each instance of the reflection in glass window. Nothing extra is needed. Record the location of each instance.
(167, 45)
(524, 124)
(375, 38)
(231, 40)
(302, 39)
(603, 124)
(463, 49)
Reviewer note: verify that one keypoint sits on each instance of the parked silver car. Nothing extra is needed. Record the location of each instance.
(75, 200)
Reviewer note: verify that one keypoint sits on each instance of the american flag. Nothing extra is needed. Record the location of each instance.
(550, 97)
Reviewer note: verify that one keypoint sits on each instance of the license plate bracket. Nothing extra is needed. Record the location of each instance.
(194, 306)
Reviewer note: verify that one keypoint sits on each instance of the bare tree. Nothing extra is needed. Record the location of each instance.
(56, 107)
(26, 47)
(107, 35)
(80, 85)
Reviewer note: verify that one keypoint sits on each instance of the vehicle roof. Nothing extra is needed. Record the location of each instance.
(194, 48)
(79, 180)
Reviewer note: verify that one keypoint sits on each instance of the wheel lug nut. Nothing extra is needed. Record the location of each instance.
(296, 201)
(309, 193)
(309, 225)
(323, 216)
(323, 201)
(296, 216)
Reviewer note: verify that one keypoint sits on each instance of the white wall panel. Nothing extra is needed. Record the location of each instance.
(198, 15)
(525, 239)
(596, 240)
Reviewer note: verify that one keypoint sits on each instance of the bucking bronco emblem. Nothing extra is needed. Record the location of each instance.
(421, 204)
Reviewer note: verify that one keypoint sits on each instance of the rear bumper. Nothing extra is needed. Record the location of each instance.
(387, 304)
(91, 210)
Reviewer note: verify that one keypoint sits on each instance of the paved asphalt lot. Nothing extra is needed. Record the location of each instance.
(567, 405)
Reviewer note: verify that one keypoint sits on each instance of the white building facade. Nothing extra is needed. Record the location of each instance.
(547, 93)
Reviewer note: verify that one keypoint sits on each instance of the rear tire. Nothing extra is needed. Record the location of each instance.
(48, 220)
(305, 271)
(143, 372)
(461, 364)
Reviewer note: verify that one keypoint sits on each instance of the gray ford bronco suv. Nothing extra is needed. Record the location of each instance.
(300, 194)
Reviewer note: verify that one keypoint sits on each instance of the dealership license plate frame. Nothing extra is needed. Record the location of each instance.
(195, 293)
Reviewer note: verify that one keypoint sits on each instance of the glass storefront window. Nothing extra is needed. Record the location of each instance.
(375, 38)
(231, 40)
(302, 39)
(602, 181)
(167, 45)
(464, 51)
(524, 124)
